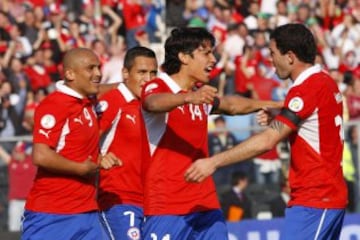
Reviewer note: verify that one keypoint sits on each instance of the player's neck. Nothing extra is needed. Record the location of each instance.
(298, 69)
(183, 80)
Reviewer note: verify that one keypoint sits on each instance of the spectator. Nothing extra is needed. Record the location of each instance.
(353, 97)
(11, 110)
(135, 20)
(111, 73)
(220, 140)
(235, 204)
(37, 72)
(21, 172)
(29, 27)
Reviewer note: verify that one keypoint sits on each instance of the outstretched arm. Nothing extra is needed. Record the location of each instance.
(253, 146)
(233, 105)
(164, 102)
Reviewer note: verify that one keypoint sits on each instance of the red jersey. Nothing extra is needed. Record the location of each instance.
(125, 136)
(177, 138)
(68, 124)
(21, 176)
(134, 15)
(315, 177)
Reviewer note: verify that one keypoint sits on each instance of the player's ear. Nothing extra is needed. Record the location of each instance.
(125, 73)
(69, 75)
(183, 57)
(291, 57)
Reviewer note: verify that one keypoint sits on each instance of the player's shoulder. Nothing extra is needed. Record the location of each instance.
(57, 100)
(113, 94)
(111, 100)
(319, 80)
(57, 104)
(155, 85)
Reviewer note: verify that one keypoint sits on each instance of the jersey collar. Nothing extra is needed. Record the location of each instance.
(61, 87)
(124, 90)
(306, 74)
(175, 88)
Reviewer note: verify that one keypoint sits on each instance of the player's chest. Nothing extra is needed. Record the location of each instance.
(190, 114)
(83, 120)
(130, 118)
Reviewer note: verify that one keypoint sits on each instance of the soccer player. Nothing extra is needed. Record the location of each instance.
(61, 203)
(123, 129)
(176, 116)
(312, 121)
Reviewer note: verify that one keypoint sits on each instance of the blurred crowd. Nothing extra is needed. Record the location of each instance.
(34, 34)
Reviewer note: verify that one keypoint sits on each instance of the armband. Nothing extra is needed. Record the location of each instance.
(215, 104)
(290, 115)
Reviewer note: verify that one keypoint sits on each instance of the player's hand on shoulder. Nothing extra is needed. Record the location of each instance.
(200, 170)
(109, 160)
(204, 94)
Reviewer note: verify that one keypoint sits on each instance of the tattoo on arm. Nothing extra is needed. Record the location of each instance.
(276, 125)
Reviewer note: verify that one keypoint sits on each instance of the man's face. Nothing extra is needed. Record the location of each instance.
(281, 62)
(143, 70)
(201, 62)
(86, 74)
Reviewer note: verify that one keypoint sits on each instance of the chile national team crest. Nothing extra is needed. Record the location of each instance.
(134, 233)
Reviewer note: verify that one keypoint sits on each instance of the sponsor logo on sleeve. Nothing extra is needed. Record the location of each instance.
(296, 104)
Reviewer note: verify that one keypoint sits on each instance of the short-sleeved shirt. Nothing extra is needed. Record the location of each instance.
(177, 138)
(67, 123)
(125, 136)
(315, 106)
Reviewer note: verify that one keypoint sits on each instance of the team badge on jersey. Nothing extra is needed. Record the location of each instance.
(134, 233)
(150, 87)
(296, 104)
(47, 121)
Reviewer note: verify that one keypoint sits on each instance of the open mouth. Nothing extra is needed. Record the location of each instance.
(96, 81)
(209, 69)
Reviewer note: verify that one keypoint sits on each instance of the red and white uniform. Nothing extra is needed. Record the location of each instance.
(315, 110)
(125, 136)
(67, 123)
(177, 138)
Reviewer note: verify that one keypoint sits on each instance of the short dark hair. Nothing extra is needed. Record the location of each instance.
(219, 118)
(135, 52)
(297, 38)
(184, 40)
(237, 176)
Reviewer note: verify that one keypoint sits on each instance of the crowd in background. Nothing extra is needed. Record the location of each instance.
(34, 35)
